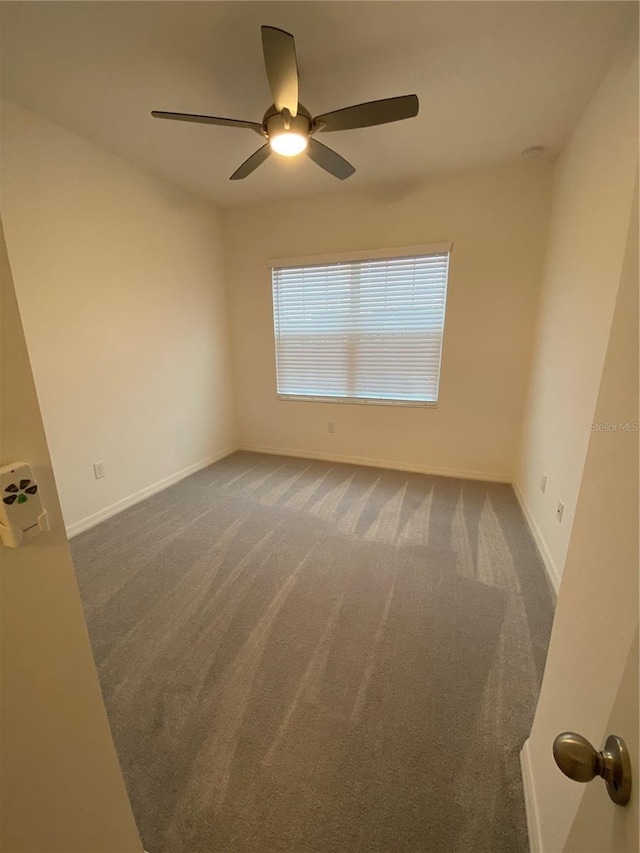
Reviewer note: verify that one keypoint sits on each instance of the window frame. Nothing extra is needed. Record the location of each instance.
(408, 252)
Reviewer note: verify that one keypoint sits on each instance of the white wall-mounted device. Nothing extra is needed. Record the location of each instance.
(21, 514)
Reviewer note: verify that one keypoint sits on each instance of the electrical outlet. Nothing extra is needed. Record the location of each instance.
(98, 470)
(331, 426)
(543, 483)
(559, 511)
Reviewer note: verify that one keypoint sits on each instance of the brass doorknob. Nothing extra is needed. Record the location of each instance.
(578, 760)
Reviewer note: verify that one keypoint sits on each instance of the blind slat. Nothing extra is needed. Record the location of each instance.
(361, 330)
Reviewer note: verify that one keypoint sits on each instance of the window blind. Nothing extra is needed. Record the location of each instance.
(361, 331)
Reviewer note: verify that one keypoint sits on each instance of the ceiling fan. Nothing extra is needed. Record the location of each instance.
(288, 127)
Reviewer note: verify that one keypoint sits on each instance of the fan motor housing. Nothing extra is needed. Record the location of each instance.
(276, 122)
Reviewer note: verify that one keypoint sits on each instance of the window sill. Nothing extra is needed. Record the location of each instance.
(359, 401)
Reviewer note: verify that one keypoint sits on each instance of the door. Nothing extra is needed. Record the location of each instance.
(62, 787)
(597, 826)
(590, 684)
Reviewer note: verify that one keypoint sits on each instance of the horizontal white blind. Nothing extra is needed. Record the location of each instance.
(368, 331)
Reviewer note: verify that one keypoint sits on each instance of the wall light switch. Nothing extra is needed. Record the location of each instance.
(331, 426)
(98, 470)
(559, 511)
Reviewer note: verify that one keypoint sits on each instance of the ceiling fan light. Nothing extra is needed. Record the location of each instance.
(289, 144)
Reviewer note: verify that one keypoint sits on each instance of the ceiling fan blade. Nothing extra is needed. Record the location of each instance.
(225, 122)
(328, 160)
(280, 61)
(370, 114)
(252, 163)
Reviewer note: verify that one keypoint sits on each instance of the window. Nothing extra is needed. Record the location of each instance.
(362, 329)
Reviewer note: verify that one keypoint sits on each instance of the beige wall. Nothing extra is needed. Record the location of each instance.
(593, 187)
(497, 221)
(62, 791)
(120, 283)
(596, 617)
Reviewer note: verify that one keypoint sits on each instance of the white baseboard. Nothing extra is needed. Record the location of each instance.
(108, 511)
(552, 571)
(380, 463)
(530, 801)
(95, 518)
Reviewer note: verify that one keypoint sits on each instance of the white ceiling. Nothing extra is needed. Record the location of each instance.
(492, 78)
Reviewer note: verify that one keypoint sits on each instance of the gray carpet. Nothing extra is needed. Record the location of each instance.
(304, 656)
